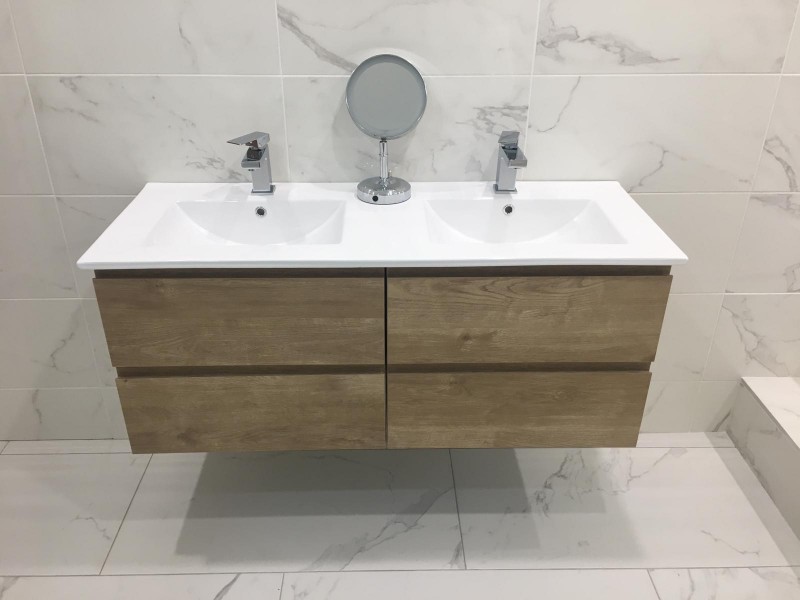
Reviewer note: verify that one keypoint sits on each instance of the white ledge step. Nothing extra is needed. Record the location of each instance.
(780, 396)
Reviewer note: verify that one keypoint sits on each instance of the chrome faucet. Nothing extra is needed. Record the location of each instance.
(509, 159)
(256, 160)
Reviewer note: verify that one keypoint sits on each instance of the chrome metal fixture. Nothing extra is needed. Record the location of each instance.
(256, 160)
(509, 160)
(386, 98)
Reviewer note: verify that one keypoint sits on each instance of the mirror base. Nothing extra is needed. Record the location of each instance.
(391, 190)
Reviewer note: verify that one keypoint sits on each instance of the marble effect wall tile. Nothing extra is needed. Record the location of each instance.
(678, 406)
(768, 256)
(686, 336)
(111, 135)
(33, 256)
(116, 419)
(243, 586)
(595, 508)
(69, 413)
(756, 335)
(706, 227)
(97, 337)
(457, 37)
(775, 583)
(470, 585)
(51, 346)
(356, 510)
(648, 36)
(80, 501)
(773, 455)
(84, 219)
(148, 36)
(10, 61)
(653, 134)
(455, 140)
(779, 168)
(792, 62)
(22, 163)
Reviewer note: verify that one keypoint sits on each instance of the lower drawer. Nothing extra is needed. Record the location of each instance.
(515, 409)
(254, 412)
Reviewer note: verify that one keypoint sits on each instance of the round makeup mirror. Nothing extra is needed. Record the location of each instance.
(386, 98)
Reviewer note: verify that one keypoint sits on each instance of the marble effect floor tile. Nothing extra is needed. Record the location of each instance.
(757, 335)
(768, 256)
(148, 36)
(68, 447)
(470, 585)
(458, 37)
(59, 514)
(112, 134)
(615, 508)
(652, 134)
(291, 512)
(244, 586)
(774, 583)
(780, 160)
(647, 36)
(33, 256)
(710, 439)
(47, 414)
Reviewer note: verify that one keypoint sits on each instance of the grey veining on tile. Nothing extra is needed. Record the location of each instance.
(648, 36)
(773, 583)
(769, 449)
(51, 346)
(3, 446)
(22, 164)
(686, 336)
(470, 585)
(613, 508)
(653, 134)
(110, 135)
(455, 140)
(68, 447)
(768, 255)
(10, 61)
(706, 227)
(97, 337)
(79, 504)
(148, 36)
(240, 586)
(756, 335)
(33, 257)
(42, 414)
(356, 510)
(688, 406)
(779, 169)
(84, 219)
(459, 37)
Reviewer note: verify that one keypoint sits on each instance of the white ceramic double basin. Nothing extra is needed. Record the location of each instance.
(324, 225)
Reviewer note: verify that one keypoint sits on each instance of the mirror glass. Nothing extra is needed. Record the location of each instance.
(386, 96)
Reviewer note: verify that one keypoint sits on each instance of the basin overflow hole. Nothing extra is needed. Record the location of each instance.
(508, 209)
(261, 211)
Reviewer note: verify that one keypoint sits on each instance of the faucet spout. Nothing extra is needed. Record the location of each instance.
(256, 160)
(510, 158)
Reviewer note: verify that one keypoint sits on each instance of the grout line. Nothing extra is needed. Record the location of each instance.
(766, 134)
(283, 579)
(792, 31)
(760, 74)
(731, 265)
(283, 94)
(124, 516)
(458, 511)
(653, 583)
(530, 76)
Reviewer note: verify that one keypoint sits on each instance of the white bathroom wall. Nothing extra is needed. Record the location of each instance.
(692, 104)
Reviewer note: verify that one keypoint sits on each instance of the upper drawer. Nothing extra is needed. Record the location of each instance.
(243, 321)
(526, 319)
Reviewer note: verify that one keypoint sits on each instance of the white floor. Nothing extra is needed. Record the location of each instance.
(681, 517)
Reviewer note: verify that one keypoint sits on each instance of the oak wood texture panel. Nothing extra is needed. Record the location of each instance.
(514, 410)
(167, 322)
(254, 413)
(534, 319)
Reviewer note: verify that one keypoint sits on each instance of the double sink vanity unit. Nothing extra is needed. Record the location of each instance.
(307, 319)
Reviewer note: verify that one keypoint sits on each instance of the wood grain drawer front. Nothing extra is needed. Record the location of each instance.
(254, 413)
(525, 319)
(515, 409)
(241, 321)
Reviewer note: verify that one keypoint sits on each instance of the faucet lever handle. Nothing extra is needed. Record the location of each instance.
(509, 139)
(257, 140)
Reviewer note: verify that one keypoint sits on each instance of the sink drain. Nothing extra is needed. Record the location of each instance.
(261, 211)
(508, 209)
